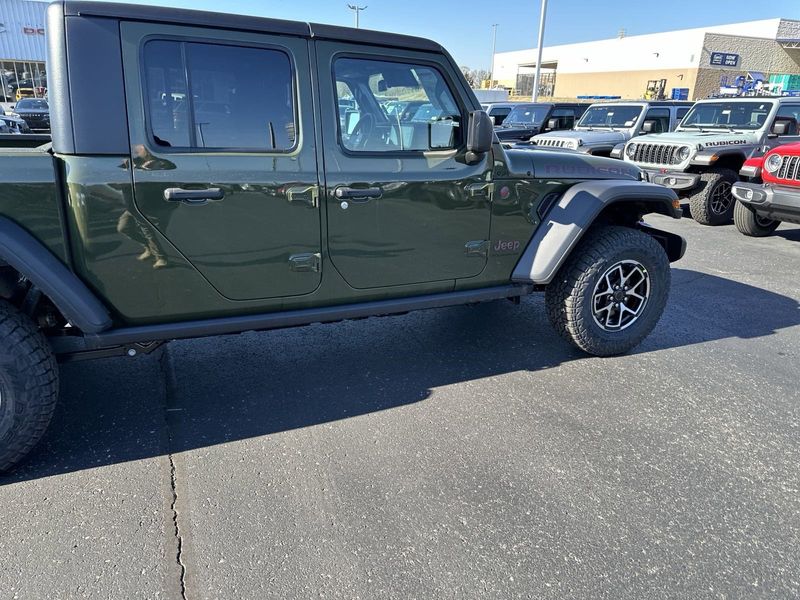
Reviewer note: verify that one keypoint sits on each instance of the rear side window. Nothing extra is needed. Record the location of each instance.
(394, 107)
(213, 96)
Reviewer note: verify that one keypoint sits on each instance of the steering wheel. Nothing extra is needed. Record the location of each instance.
(362, 131)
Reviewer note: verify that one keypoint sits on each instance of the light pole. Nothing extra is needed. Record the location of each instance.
(538, 75)
(356, 9)
(494, 48)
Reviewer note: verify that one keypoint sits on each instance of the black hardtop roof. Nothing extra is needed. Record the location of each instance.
(159, 14)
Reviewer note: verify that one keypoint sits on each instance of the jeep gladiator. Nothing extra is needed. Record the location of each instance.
(248, 177)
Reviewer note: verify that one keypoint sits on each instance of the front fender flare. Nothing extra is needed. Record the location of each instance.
(29, 257)
(564, 225)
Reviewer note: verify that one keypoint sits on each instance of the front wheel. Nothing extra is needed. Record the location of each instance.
(611, 292)
(713, 204)
(748, 222)
(28, 385)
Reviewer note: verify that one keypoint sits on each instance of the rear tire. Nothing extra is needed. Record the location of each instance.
(28, 385)
(581, 301)
(713, 204)
(749, 223)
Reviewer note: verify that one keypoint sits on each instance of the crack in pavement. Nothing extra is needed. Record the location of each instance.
(168, 374)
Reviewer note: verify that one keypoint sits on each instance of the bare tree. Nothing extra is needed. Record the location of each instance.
(475, 77)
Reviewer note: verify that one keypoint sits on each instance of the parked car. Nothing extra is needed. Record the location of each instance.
(35, 112)
(761, 207)
(527, 119)
(13, 124)
(162, 225)
(607, 125)
(498, 111)
(701, 159)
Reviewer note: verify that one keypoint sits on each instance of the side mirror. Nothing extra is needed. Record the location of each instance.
(480, 134)
(552, 124)
(780, 127)
(494, 122)
(648, 127)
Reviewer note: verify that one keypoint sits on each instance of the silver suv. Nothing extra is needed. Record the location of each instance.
(701, 159)
(607, 125)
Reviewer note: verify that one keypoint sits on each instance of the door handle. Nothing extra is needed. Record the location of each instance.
(356, 194)
(193, 197)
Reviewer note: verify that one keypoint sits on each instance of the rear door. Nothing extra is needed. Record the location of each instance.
(223, 165)
(404, 206)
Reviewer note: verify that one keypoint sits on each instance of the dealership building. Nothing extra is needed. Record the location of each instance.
(690, 64)
(22, 47)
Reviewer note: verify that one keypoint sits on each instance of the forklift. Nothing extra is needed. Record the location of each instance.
(656, 89)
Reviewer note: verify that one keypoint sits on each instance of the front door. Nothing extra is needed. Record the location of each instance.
(223, 165)
(403, 204)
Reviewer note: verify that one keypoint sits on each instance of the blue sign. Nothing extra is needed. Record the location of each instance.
(680, 93)
(723, 59)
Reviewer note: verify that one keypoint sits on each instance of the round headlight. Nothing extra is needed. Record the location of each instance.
(773, 163)
(630, 151)
(683, 153)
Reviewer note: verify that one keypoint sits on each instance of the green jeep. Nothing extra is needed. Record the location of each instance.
(235, 173)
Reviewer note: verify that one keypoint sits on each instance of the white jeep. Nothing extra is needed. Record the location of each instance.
(606, 125)
(701, 159)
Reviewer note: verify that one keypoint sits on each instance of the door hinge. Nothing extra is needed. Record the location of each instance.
(305, 263)
(480, 190)
(477, 248)
(304, 194)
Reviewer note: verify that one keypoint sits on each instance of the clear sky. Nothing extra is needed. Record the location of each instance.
(464, 26)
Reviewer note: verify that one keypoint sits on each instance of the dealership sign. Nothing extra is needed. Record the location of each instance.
(723, 59)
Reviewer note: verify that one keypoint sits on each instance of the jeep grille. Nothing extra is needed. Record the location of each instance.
(553, 143)
(789, 168)
(656, 154)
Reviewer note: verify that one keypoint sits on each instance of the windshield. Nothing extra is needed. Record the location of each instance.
(610, 116)
(32, 104)
(728, 115)
(528, 114)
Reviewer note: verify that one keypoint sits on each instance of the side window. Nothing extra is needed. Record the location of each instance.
(394, 107)
(499, 113)
(680, 113)
(660, 116)
(565, 116)
(214, 96)
(790, 114)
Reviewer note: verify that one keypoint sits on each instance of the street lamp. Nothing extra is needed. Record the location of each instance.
(494, 48)
(356, 9)
(538, 76)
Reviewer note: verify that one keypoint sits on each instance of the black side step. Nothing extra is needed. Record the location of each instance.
(292, 318)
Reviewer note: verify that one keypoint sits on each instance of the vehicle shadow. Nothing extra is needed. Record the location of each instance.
(205, 392)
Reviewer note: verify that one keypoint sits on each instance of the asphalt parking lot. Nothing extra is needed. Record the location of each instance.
(458, 453)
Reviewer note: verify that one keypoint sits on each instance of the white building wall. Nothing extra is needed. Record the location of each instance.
(669, 50)
(22, 30)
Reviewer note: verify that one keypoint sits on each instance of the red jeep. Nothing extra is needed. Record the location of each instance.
(761, 207)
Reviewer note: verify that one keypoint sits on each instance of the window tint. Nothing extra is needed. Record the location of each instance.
(565, 117)
(681, 113)
(389, 107)
(789, 113)
(660, 117)
(240, 98)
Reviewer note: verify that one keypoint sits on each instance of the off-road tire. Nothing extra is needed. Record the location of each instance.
(569, 297)
(702, 203)
(749, 223)
(28, 385)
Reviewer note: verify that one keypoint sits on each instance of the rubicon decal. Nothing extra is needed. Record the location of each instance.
(726, 143)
